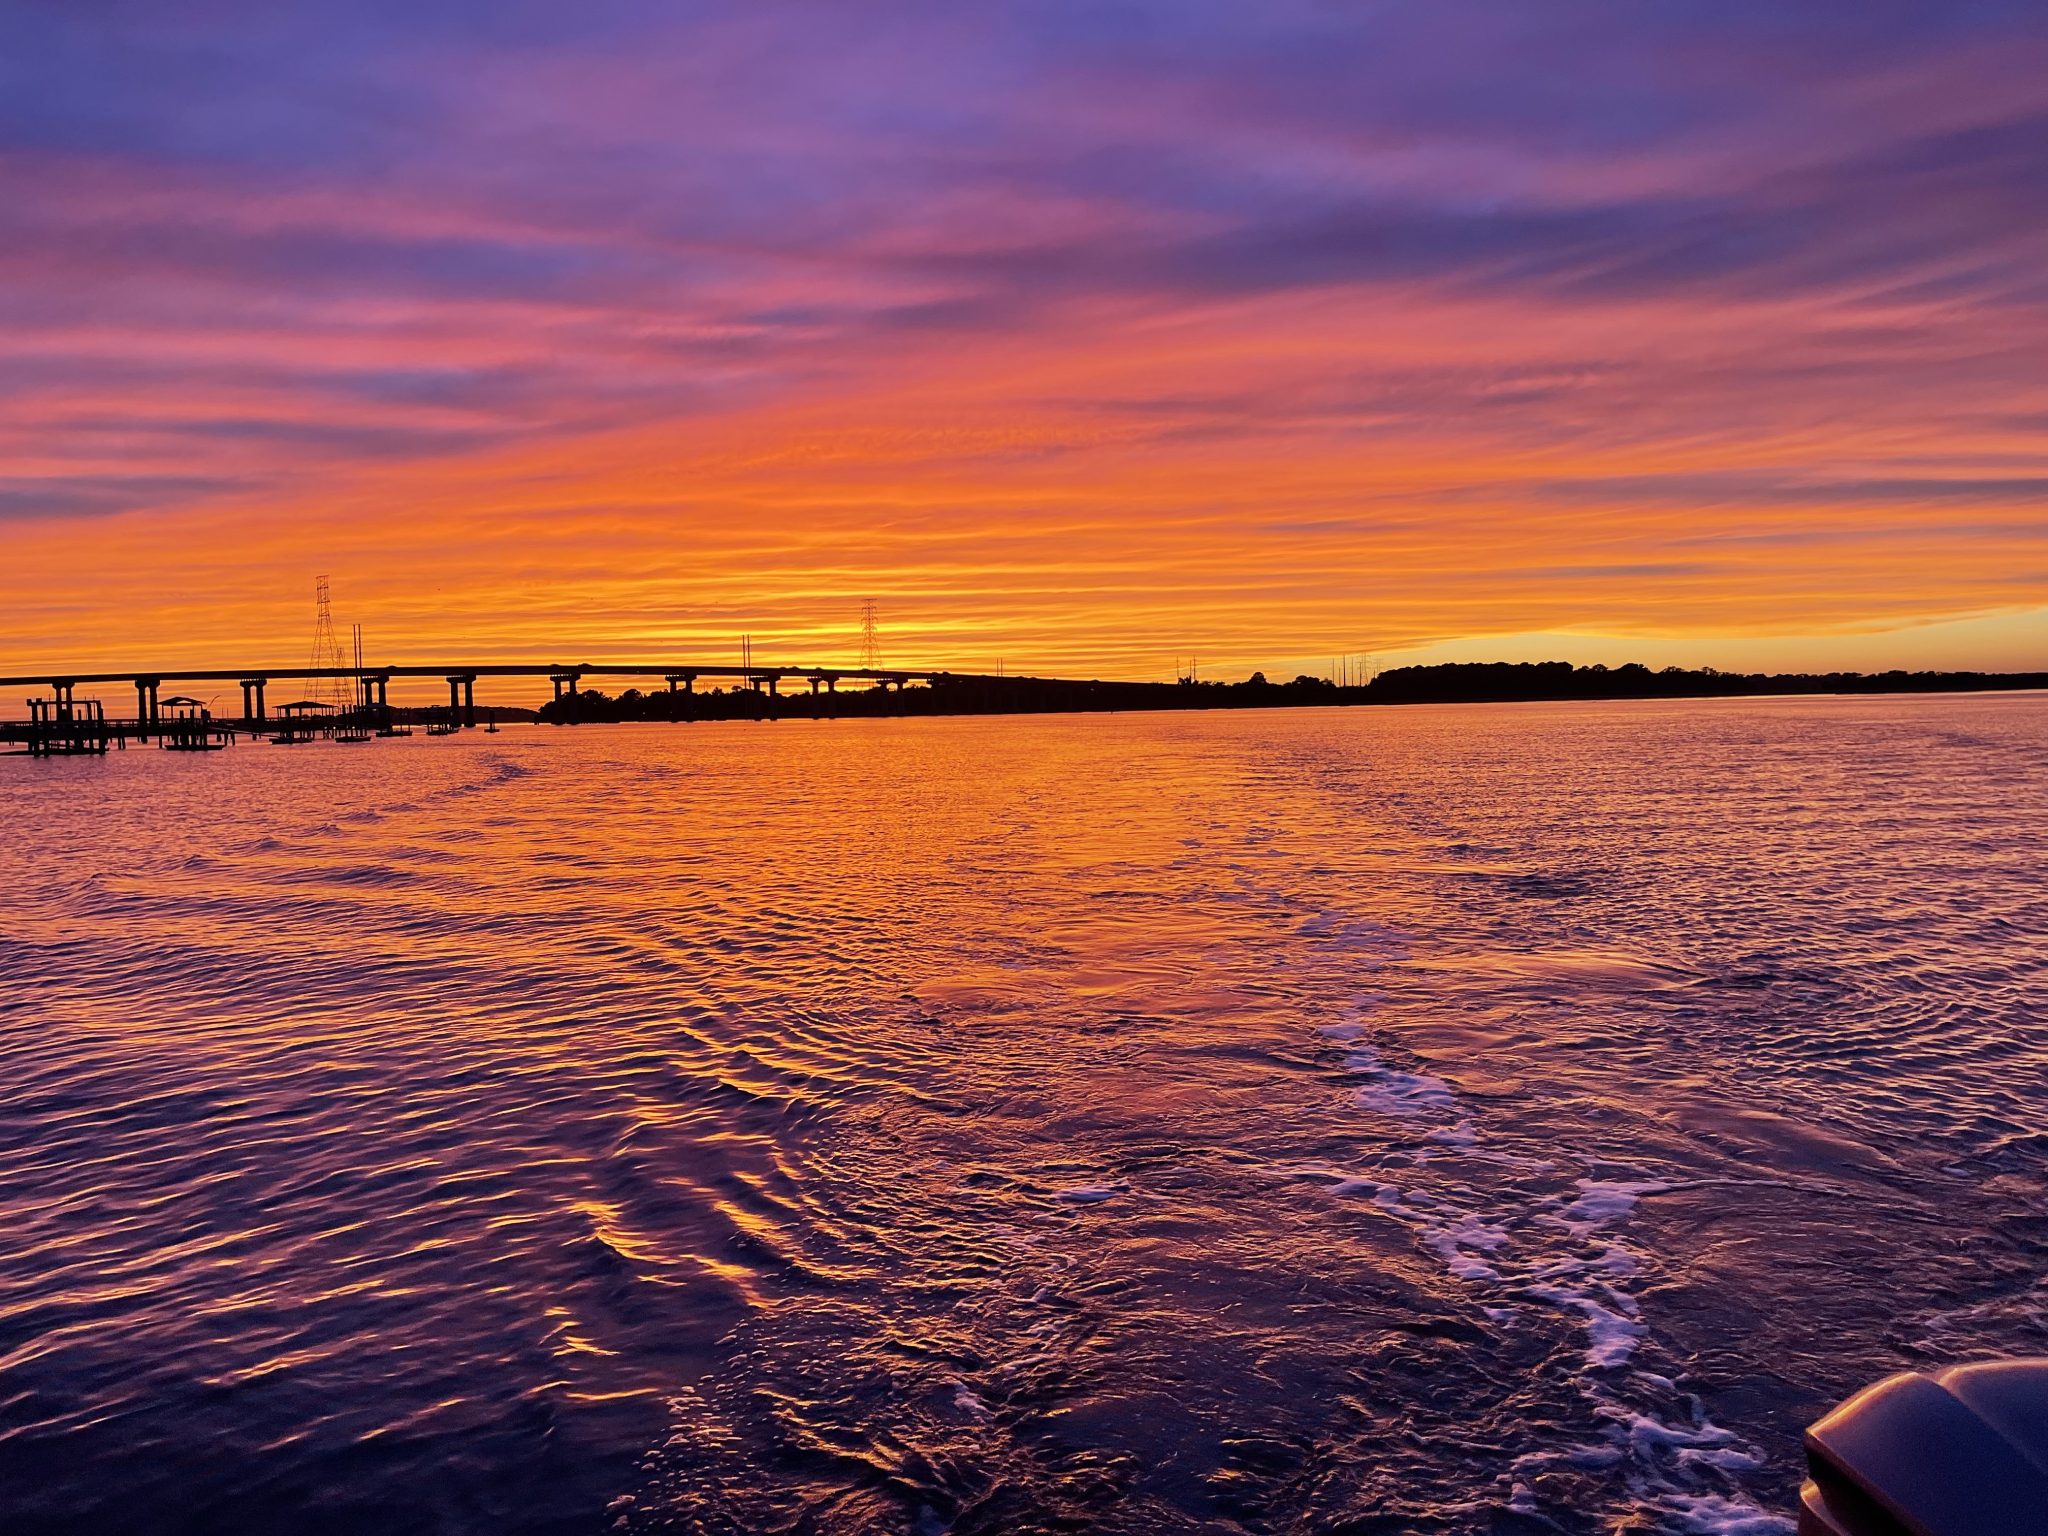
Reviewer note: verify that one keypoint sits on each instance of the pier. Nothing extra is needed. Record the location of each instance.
(61, 726)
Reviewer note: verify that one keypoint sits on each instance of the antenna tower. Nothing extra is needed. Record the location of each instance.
(326, 685)
(870, 635)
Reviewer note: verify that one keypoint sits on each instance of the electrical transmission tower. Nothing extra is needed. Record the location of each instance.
(870, 636)
(326, 685)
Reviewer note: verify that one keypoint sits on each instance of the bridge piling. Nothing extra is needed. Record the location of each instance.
(462, 698)
(147, 714)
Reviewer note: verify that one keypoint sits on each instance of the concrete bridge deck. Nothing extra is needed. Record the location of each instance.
(50, 678)
(373, 682)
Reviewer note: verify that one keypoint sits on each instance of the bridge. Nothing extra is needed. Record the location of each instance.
(373, 683)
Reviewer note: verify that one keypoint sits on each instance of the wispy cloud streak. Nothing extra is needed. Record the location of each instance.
(1271, 330)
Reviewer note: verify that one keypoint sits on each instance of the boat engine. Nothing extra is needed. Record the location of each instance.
(1961, 1452)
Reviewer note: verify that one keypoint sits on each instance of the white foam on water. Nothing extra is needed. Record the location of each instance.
(1661, 1462)
(1612, 1260)
(1463, 1265)
(1645, 1435)
(1612, 1331)
(1090, 1194)
(1604, 1201)
(1680, 1473)
(1709, 1514)
(1387, 1091)
(1382, 1194)
(1455, 1243)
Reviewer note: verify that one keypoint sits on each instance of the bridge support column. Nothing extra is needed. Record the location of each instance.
(462, 698)
(814, 686)
(774, 686)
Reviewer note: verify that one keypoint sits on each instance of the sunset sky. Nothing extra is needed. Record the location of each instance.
(1078, 335)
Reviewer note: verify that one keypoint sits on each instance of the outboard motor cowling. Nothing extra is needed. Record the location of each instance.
(1962, 1452)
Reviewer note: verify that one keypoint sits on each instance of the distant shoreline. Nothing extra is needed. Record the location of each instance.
(951, 694)
(1452, 683)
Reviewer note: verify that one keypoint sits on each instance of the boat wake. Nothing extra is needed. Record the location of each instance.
(1544, 1236)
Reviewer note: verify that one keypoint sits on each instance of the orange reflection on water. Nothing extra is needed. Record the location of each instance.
(1093, 1121)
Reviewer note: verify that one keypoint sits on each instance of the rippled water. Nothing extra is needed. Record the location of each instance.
(1503, 1120)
